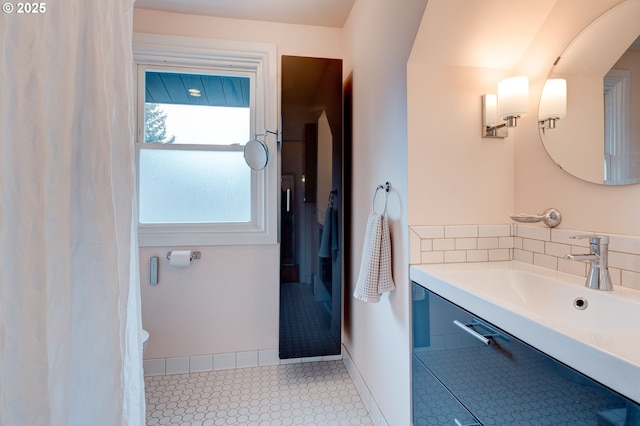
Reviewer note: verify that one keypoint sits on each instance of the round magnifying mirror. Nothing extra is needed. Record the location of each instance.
(256, 154)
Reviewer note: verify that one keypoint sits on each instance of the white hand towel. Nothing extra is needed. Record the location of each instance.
(385, 281)
(368, 278)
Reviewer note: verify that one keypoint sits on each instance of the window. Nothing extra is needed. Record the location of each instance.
(196, 172)
(199, 102)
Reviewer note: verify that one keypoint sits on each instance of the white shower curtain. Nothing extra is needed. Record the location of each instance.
(70, 351)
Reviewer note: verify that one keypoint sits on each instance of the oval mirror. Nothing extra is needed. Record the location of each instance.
(256, 154)
(597, 139)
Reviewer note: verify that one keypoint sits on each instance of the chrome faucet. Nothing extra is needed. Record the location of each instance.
(598, 278)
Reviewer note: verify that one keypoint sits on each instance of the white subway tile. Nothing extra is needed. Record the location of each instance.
(268, 357)
(444, 244)
(580, 249)
(455, 256)
(534, 232)
(291, 361)
(489, 243)
(426, 244)
(556, 249)
(517, 243)
(629, 262)
(383, 422)
(616, 275)
(535, 246)
(225, 361)
(363, 390)
(179, 365)
(200, 363)
(154, 367)
(477, 256)
(432, 256)
(624, 244)
(531, 244)
(562, 236)
(246, 359)
(523, 256)
(460, 231)
(572, 267)
(507, 242)
(545, 261)
(499, 255)
(414, 248)
(494, 230)
(429, 231)
(466, 243)
(631, 279)
(375, 414)
(332, 357)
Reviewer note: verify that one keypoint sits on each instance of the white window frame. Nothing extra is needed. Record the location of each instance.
(258, 60)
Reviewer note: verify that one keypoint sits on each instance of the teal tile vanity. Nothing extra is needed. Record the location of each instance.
(480, 358)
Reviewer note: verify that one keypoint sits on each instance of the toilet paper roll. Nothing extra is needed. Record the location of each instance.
(180, 258)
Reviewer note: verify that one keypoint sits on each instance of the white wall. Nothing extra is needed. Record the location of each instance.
(456, 177)
(302, 40)
(228, 300)
(378, 38)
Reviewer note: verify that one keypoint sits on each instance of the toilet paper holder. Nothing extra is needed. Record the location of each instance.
(194, 255)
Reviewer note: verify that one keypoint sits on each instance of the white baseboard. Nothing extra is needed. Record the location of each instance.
(223, 361)
(369, 402)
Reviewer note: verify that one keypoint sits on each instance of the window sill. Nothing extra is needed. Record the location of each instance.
(157, 236)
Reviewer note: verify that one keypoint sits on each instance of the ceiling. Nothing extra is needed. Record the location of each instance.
(211, 89)
(326, 13)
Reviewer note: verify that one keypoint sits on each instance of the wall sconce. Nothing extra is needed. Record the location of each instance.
(553, 103)
(501, 111)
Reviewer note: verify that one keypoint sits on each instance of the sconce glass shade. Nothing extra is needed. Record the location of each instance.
(553, 102)
(513, 97)
(490, 110)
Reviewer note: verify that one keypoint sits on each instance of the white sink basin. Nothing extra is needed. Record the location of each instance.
(537, 305)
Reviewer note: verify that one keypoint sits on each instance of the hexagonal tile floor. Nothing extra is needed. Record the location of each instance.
(313, 393)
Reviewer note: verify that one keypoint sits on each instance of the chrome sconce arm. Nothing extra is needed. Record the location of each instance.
(490, 129)
(548, 123)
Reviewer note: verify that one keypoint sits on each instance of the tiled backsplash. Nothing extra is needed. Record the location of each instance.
(532, 244)
(461, 243)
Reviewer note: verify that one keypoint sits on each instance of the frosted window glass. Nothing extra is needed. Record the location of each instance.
(186, 186)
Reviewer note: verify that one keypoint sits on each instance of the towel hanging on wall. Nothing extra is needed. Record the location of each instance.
(329, 238)
(375, 275)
